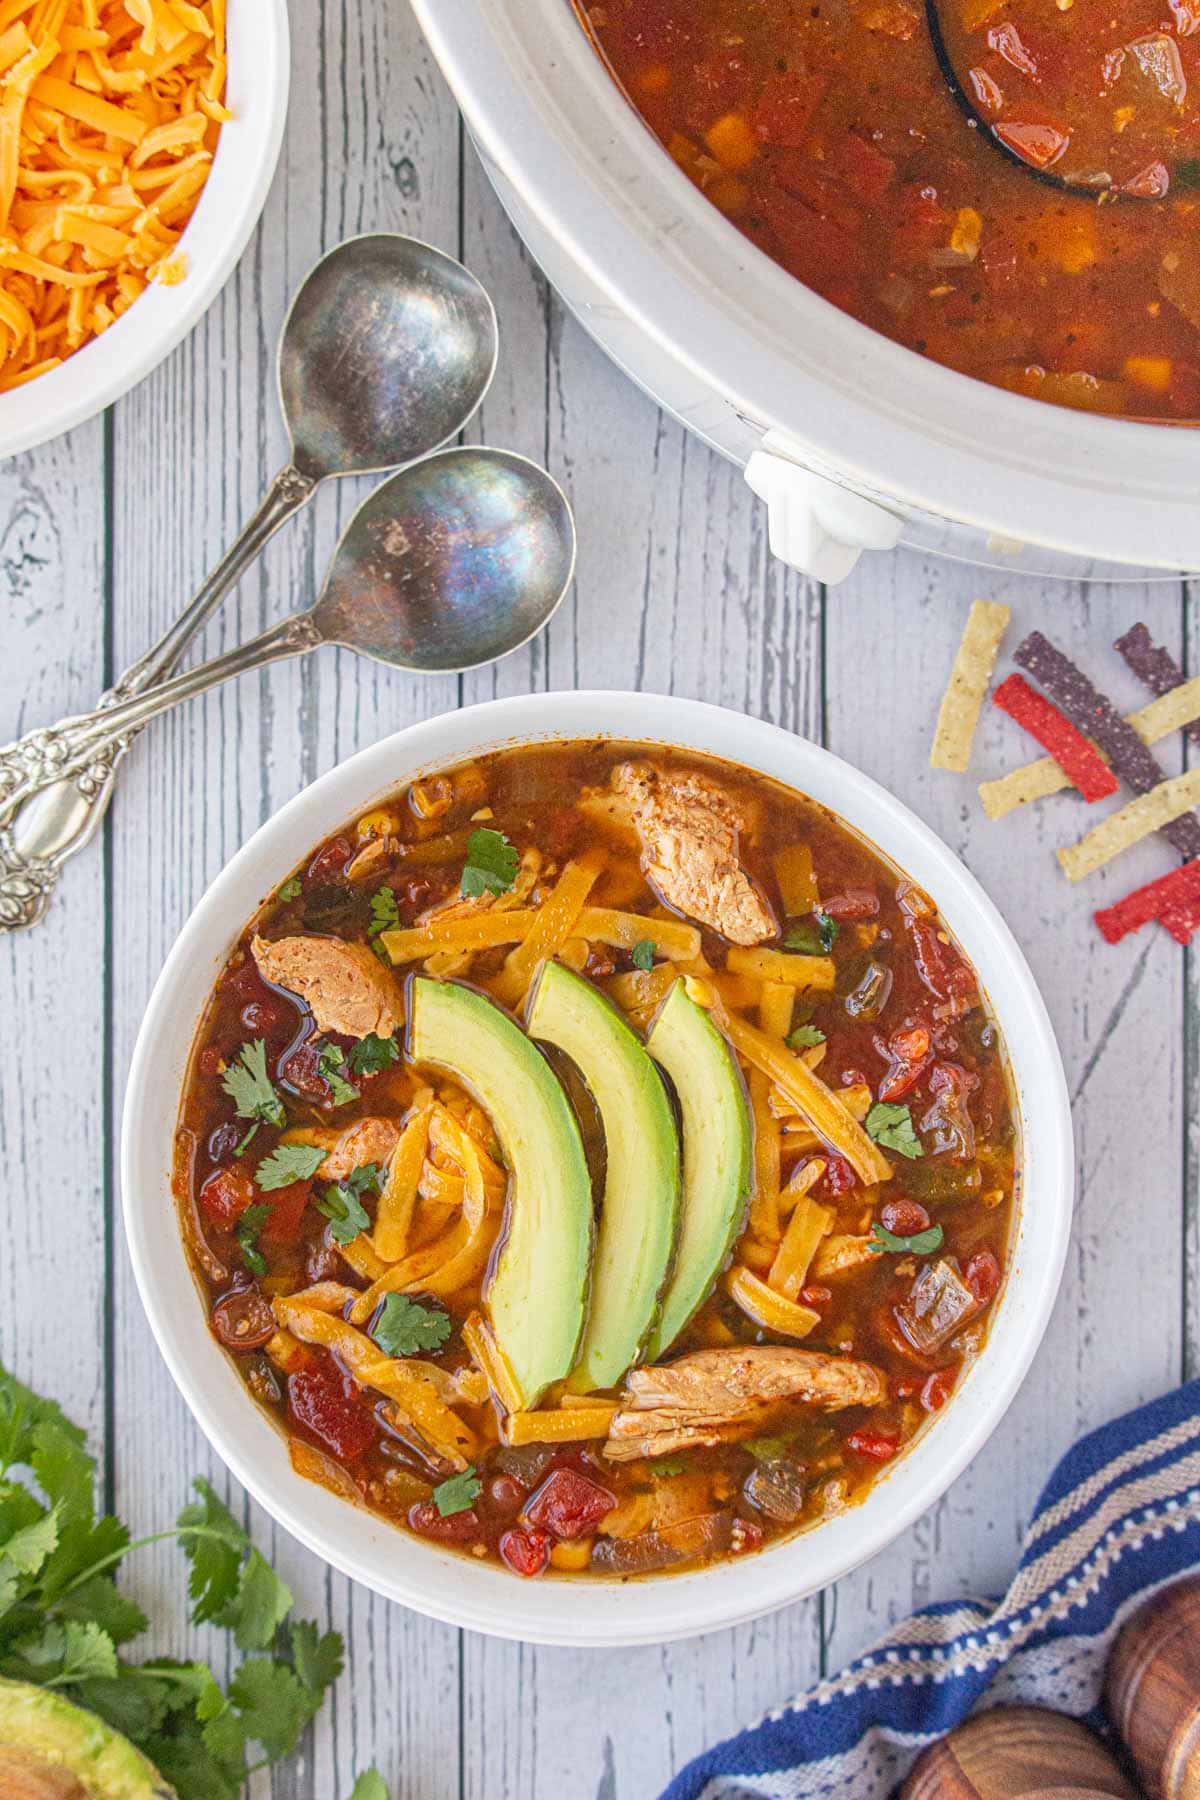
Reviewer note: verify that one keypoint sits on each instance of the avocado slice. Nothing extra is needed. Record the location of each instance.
(50, 1748)
(717, 1143)
(639, 1213)
(537, 1294)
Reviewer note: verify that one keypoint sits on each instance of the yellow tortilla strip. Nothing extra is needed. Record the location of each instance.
(1149, 812)
(986, 624)
(1037, 780)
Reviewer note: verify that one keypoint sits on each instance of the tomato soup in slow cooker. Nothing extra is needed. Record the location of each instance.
(1010, 187)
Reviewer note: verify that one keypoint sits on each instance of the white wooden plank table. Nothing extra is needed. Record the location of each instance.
(103, 534)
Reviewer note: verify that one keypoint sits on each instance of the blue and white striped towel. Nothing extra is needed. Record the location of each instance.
(1119, 1518)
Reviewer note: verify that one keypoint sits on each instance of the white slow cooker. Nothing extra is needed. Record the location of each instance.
(852, 441)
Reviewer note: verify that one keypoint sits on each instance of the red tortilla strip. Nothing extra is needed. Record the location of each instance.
(1076, 758)
(1174, 897)
(1094, 714)
(1155, 666)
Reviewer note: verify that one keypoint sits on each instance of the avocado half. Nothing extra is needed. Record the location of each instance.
(717, 1150)
(52, 1750)
(537, 1294)
(640, 1209)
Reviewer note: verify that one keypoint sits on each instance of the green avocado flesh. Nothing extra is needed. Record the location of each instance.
(50, 1748)
(717, 1141)
(538, 1291)
(640, 1209)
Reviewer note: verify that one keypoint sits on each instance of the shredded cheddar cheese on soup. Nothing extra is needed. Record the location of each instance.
(109, 116)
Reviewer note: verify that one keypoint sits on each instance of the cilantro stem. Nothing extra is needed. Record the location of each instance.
(157, 1537)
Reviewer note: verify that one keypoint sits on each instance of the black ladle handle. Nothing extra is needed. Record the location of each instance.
(979, 122)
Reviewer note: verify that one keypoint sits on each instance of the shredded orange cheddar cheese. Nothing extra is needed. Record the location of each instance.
(110, 112)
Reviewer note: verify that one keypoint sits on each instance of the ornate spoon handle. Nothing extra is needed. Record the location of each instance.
(44, 817)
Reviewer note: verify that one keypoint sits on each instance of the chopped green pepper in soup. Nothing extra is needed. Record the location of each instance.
(598, 1158)
(826, 131)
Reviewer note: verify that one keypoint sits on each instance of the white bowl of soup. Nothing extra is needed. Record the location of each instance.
(597, 1167)
(176, 186)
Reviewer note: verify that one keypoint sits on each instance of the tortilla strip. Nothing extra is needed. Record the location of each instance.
(819, 1105)
(1149, 812)
(565, 1426)
(766, 1308)
(966, 691)
(1094, 714)
(1155, 666)
(1038, 780)
(814, 973)
(413, 1392)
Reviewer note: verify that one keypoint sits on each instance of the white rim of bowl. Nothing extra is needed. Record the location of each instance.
(586, 1611)
(109, 366)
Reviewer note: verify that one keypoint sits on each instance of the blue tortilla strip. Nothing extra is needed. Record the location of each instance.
(1094, 714)
(1155, 666)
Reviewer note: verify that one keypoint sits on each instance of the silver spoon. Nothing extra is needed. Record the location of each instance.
(388, 349)
(453, 562)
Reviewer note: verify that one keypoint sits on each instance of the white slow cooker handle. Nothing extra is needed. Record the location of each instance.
(817, 526)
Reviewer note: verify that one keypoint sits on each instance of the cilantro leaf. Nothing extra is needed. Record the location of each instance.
(385, 915)
(273, 1704)
(330, 1064)
(643, 955)
(98, 1598)
(263, 1603)
(922, 1243)
(316, 1658)
(891, 1125)
(21, 1412)
(342, 1206)
(247, 1232)
(458, 1493)
(816, 939)
(406, 1325)
(288, 1163)
(250, 1088)
(491, 865)
(131, 1702)
(290, 890)
(370, 1786)
(214, 1544)
(373, 1053)
(805, 1037)
(29, 1548)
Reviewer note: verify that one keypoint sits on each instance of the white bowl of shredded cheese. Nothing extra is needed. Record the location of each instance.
(153, 135)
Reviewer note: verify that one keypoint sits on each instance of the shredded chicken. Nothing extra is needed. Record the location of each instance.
(715, 1396)
(345, 986)
(688, 829)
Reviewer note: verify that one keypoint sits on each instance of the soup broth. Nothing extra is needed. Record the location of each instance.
(825, 130)
(599, 1158)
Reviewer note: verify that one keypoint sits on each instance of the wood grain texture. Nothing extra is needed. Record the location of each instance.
(101, 538)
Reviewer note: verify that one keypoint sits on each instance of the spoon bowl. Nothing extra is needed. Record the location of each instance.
(455, 561)
(388, 349)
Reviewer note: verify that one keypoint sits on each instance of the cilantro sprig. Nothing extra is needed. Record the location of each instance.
(458, 1493)
(385, 916)
(65, 1625)
(491, 865)
(816, 939)
(643, 955)
(250, 1087)
(406, 1326)
(247, 1232)
(288, 1163)
(805, 1037)
(921, 1243)
(331, 1063)
(342, 1205)
(291, 889)
(891, 1125)
(373, 1054)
